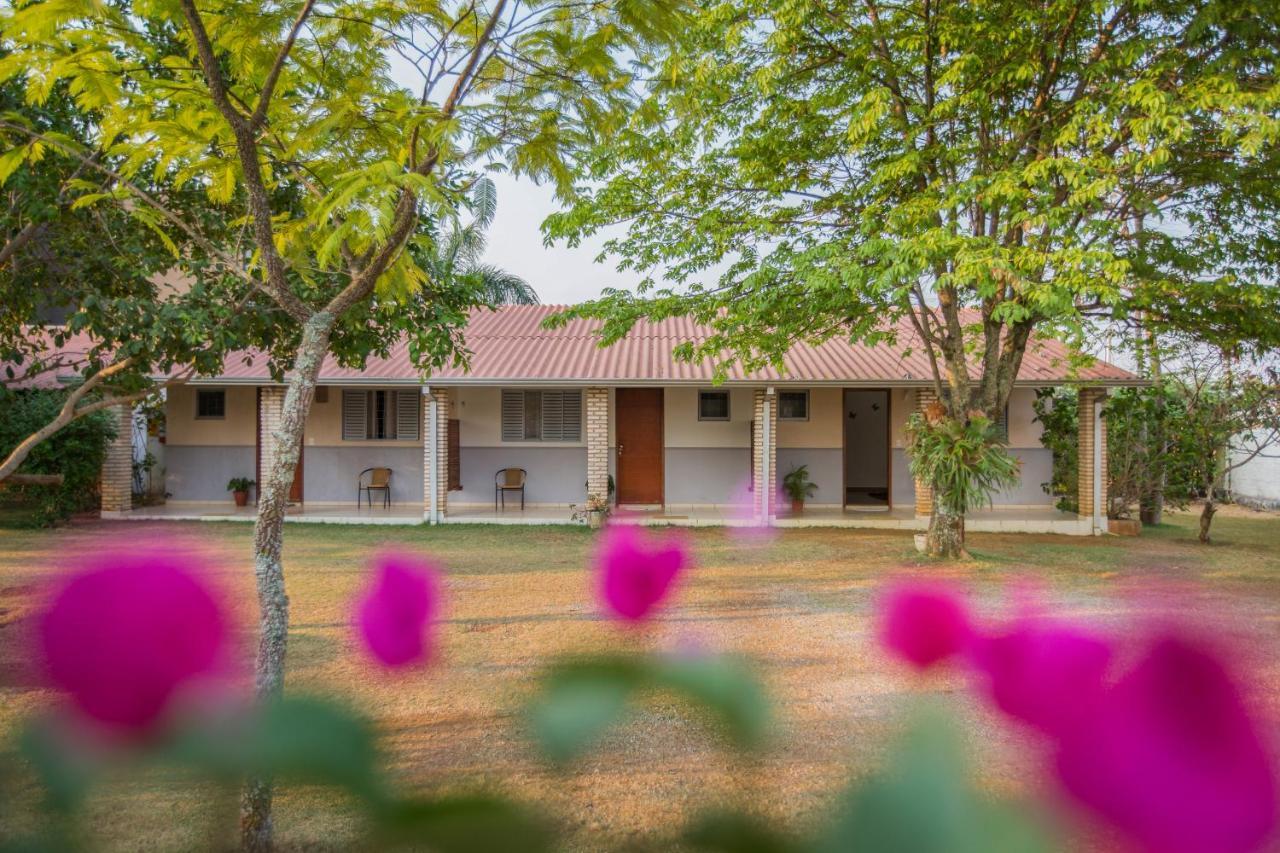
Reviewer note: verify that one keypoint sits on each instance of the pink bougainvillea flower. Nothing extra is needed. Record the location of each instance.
(924, 623)
(393, 618)
(636, 571)
(129, 630)
(1172, 756)
(1046, 674)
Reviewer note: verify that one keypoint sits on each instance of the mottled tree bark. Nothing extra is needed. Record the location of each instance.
(946, 533)
(273, 603)
(1206, 516)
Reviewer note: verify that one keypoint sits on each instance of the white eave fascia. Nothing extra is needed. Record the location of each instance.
(482, 382)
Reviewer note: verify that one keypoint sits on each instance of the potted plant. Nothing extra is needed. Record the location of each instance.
(594, 511)
(798, 487)
(239, 487)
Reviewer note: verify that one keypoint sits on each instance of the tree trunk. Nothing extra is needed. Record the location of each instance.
(1206, 517)
(946, 533)
(268, 536)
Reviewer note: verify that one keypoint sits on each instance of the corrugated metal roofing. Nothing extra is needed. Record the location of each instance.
(509, 345)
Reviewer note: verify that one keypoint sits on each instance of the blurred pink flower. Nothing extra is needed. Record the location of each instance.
(1171, 756)
(1043, 673)
(394, 616)
(128, 631)
(924, 622)
(636, 570)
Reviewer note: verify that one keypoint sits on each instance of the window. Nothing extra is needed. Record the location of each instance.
(541, 415)
(380, 415)
(211, 405)
(793, 405)
(713, 405)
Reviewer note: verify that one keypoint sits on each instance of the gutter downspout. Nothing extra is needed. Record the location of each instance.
(433, 454)
(1098, 470)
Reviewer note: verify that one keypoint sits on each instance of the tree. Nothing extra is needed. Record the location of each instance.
(289, 117)
(458, 254)
(976, 170)
(92, 291)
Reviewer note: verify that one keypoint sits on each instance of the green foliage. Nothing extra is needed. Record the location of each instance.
(240, 484)
(1056, 411)
(964, 461)
(76, 452)
(796, 484)
(582, 699)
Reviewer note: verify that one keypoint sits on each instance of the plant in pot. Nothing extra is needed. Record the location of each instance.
(797, 486)
(593, 512)
(239, 488)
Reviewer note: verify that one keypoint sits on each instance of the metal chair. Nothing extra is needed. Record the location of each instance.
(379, 481)
(508, 480)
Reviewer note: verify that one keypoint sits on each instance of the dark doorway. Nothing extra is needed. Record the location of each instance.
(638, 414)
(866, 449)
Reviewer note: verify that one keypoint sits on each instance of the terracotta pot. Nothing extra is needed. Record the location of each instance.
(242, 498)
(1124, 526)
(797, 507)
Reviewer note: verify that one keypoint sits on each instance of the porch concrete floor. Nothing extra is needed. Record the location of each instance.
(995, 520)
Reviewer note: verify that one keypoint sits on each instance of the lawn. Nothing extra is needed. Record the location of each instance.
(800, 606)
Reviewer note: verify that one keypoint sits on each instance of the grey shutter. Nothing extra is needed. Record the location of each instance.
(572, 423)
(408, 415)
(1002, 425)
(355, 407)
(552, 415)
(512, 415)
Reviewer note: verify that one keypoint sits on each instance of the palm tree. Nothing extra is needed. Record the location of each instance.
(459, 250)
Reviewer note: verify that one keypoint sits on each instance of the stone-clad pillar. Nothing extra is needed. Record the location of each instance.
(1092, 461)
(435, 454)
(764, 455)
(117, 466)
(925, 397)
(597, 426)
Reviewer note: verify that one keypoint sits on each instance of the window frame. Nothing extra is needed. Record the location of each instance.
(545, 415)
(202, 391)
(728, 405)
(390, 415)
(803, 392)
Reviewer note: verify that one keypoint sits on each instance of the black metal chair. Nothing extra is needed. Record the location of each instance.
(379, 481)
(508, 480)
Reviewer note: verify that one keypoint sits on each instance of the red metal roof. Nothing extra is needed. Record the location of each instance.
(509, 345)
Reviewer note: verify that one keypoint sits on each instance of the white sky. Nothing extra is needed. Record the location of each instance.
(558, 273)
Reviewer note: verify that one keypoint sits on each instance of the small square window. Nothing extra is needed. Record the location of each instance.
(713, 405)
(793, 405)
(211, 404)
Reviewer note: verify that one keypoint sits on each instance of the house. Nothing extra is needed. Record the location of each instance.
(680, 448)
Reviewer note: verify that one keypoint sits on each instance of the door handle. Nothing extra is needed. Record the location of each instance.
(619, 449)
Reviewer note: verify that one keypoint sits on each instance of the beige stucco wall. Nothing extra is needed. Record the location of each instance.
(683, 429)
(479, 411)
(237, 429)
(825, 425)
(1024, 430)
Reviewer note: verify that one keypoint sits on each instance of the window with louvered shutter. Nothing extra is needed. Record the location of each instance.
(408, 414)
(355, 415)
(513, 416)
(571, 416)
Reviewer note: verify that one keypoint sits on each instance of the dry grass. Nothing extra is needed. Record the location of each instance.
(799, 606)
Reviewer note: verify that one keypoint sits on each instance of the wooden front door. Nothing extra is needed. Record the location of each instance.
(295, 489)
(638, 414)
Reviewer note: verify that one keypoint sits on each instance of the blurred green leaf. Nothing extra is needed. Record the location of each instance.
(922, 802)
(463, 825)
(733, 832)
(582, 699)
(65, 771)
(725, 687)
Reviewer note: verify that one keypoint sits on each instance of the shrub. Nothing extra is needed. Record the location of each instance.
(76, 452)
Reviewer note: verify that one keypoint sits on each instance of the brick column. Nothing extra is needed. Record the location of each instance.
(117, 467)
(1092, 461)
(439, 462)
(924, 492)
(270, 414)
(764, 472)
(597, 415)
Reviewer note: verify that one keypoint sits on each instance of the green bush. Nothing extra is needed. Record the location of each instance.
(76, 452)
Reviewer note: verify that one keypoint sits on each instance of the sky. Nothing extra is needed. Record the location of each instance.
(559, 274)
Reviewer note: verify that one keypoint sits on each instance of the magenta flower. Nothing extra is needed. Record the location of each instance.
(394, 616)
(924, 623)
(1172, 756)
(636, 572)
(1045, 674)
(128, 631)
